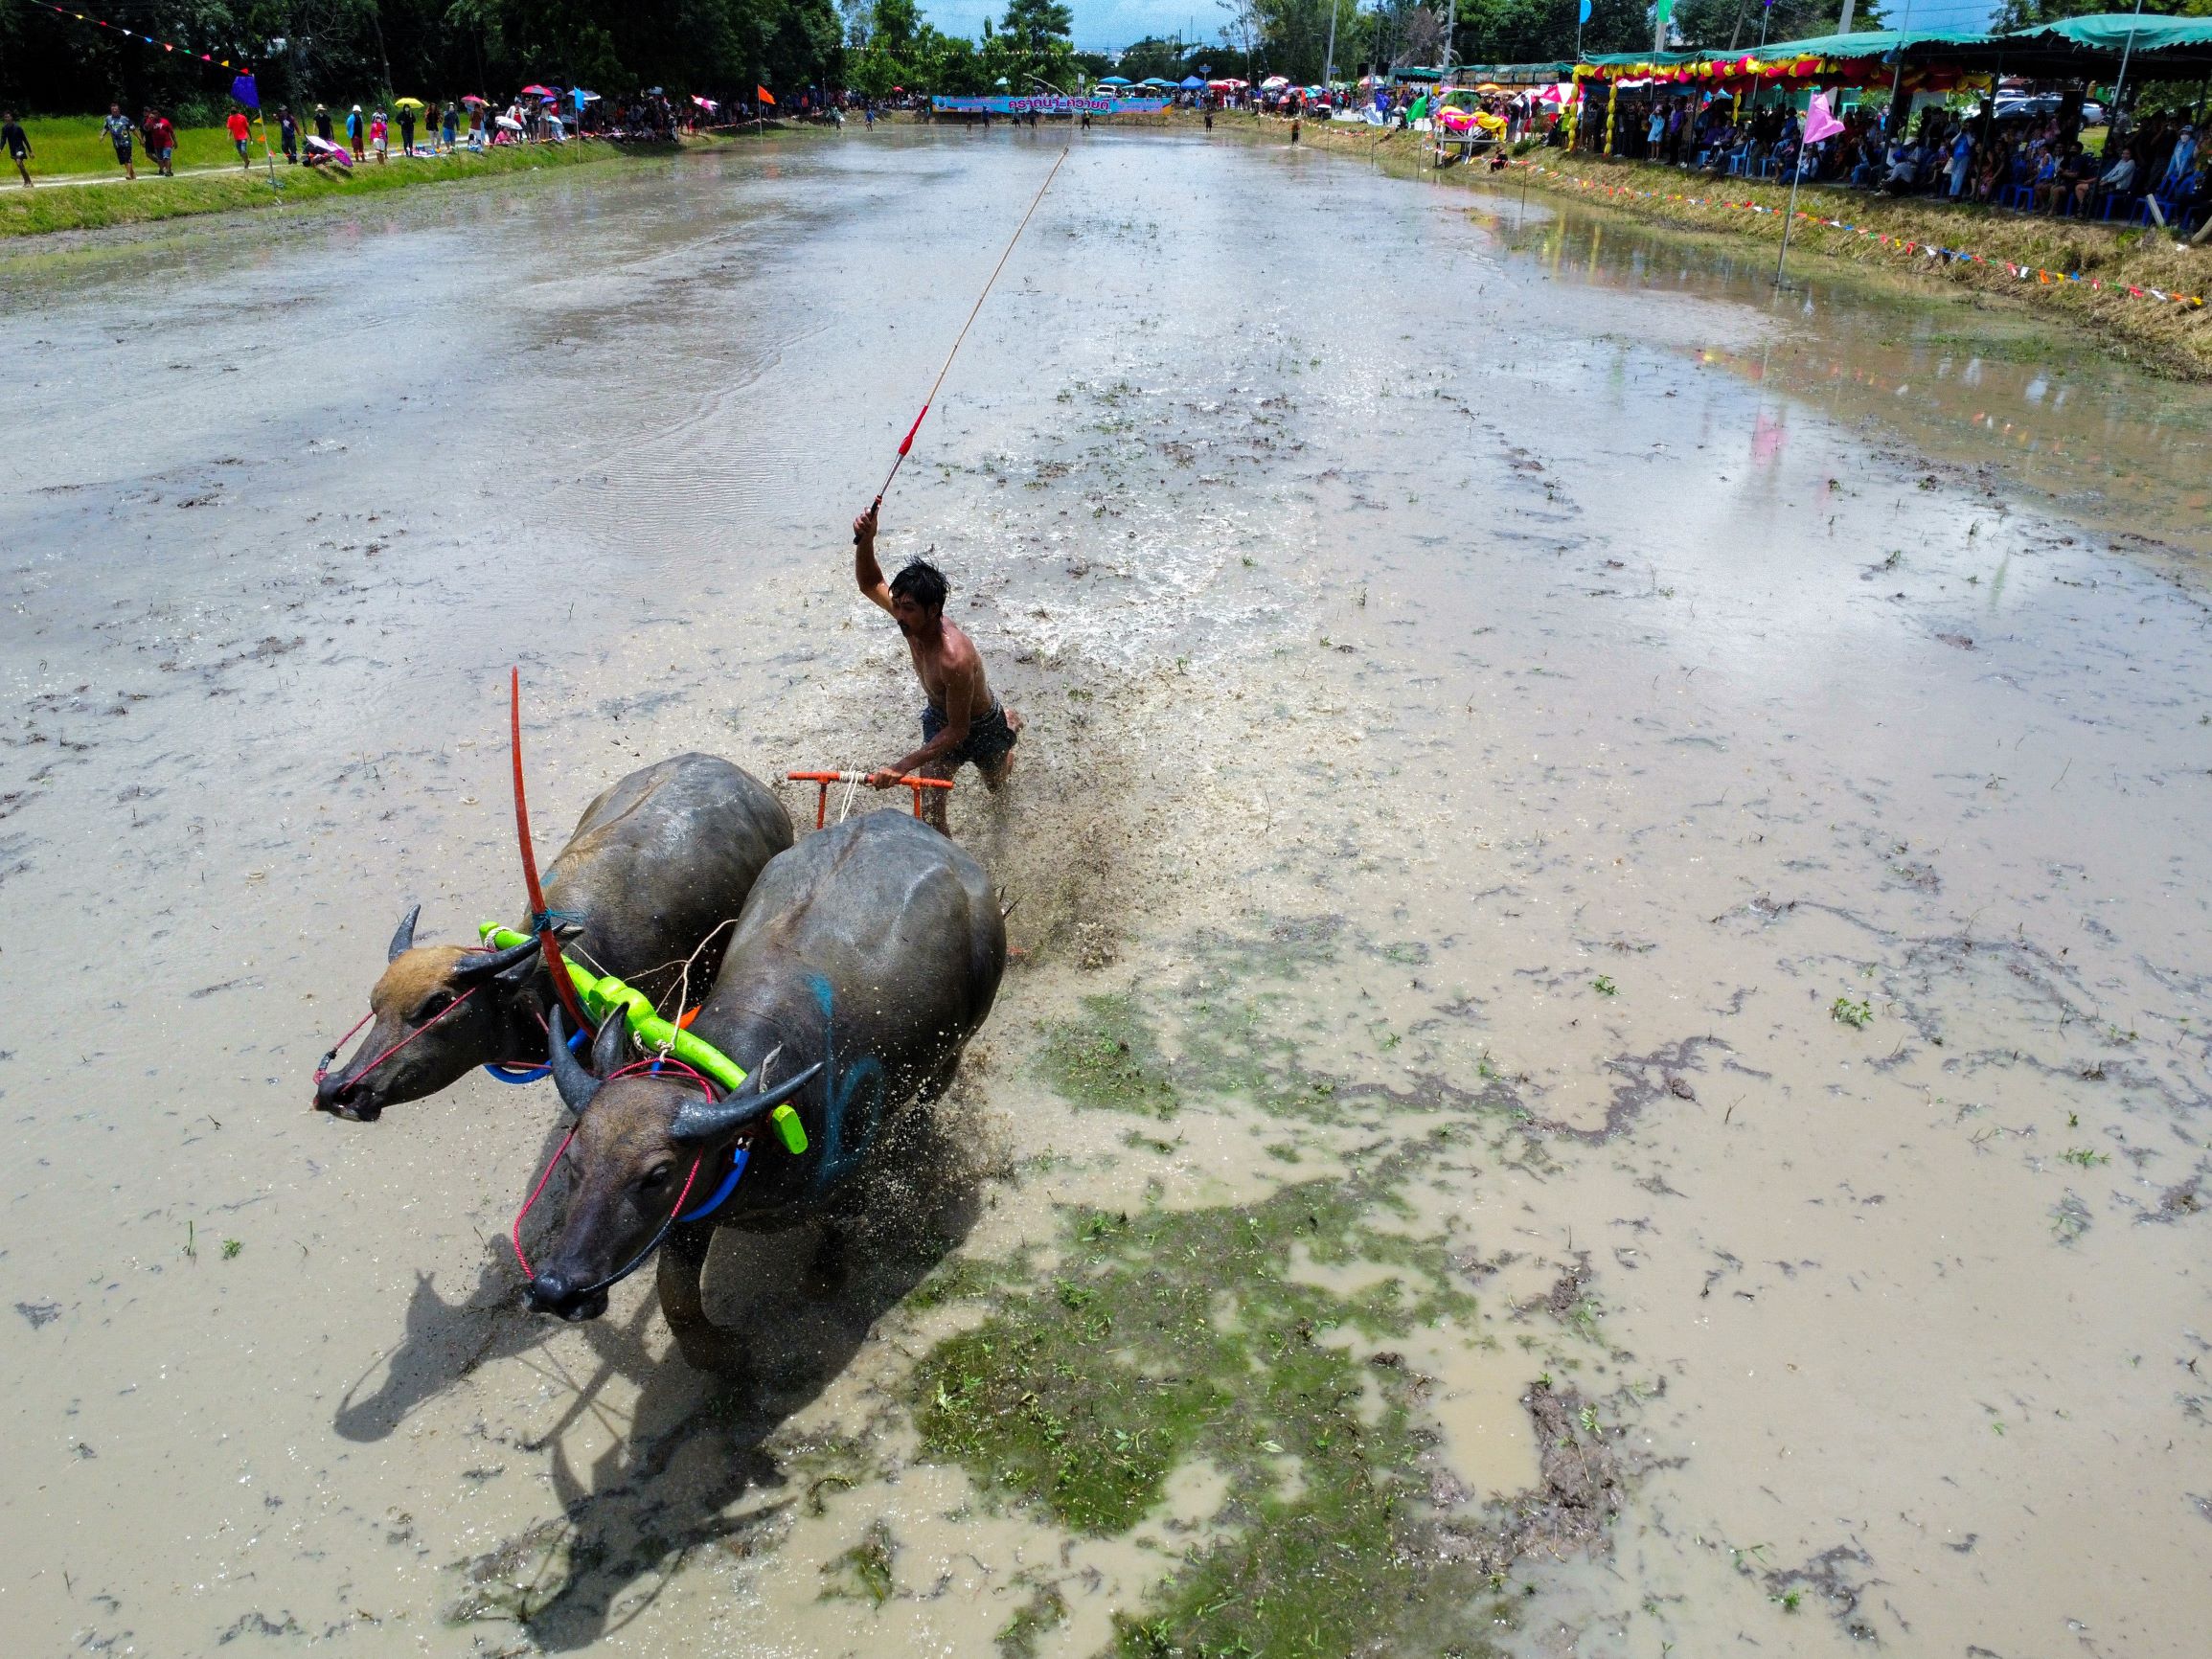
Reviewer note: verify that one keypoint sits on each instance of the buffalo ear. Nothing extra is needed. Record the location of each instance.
(576, 1085)
(403, 940)
(479, 965)
(521, 971)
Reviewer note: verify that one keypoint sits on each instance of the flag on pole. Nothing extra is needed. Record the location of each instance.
(764, 94)
(245, 92)
(1818, 122)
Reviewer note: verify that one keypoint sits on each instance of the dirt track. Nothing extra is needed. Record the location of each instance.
(1609, 1050)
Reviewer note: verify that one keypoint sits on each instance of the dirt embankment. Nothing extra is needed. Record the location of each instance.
(2100, 278)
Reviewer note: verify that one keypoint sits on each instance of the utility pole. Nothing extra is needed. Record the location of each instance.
(1896, 81)
(1450, 26)
(1329, 63)
(2114, 118)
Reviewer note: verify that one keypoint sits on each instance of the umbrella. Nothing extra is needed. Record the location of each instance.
(1113, 81)
(704, 102)
(1192, 83)
(1154, 81)
(508, 123)
(407, 104)
(534, 90)
(1274, 80)
(337, 153)
(471, 98)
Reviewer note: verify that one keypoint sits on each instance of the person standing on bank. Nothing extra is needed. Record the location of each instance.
(123, 135)
(961, 721)
(19, 143)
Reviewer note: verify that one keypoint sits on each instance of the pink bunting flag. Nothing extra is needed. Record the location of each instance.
(1818, 122)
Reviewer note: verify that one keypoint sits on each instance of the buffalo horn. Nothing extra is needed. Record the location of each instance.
(403, 940)
(482, 965)
(708, 1121)
(577, 1084)
(607, 1051)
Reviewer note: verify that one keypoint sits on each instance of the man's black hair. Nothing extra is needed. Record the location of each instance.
(923, 582)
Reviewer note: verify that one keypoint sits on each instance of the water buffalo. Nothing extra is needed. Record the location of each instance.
(866, 958)
(658, 866)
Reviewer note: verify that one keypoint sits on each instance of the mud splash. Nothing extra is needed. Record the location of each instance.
(1623, 938)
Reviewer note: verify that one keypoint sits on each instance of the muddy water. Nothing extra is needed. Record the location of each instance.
(1608, 1055)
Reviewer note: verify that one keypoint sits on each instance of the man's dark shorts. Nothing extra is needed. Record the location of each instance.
(990, 740)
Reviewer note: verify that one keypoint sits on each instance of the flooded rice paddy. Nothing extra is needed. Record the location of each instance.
(1608, 1055)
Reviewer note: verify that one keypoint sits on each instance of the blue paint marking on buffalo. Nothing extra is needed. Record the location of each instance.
(839, 1158)
(880, 939)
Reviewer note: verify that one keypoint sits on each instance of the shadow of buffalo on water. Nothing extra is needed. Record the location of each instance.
(444, 1341)
(673, 1489)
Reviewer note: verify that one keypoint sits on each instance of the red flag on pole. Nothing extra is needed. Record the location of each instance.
(764, 95)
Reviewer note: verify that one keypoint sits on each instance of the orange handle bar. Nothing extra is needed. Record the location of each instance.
(823, 780)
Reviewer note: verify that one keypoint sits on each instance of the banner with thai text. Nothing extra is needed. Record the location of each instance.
(1053, 104)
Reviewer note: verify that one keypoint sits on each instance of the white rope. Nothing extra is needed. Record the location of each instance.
(852, 782)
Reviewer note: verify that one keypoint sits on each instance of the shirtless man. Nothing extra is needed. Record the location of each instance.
(963, 721)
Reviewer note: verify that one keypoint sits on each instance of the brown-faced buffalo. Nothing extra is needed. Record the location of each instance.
(658, 866)
(866, 958)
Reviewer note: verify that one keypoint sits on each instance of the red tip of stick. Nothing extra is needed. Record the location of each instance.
(916, 428)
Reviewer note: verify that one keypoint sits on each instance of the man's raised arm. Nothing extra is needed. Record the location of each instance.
(865, 570)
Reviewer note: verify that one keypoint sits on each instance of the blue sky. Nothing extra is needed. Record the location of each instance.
(1102, 24)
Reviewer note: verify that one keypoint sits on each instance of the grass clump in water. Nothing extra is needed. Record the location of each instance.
(864, 1572)
(1046, 1611)
(1108, 1059)
(1174, 1336)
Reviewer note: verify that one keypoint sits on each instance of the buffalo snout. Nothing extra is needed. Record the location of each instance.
(557, 1293)
(345, 1098)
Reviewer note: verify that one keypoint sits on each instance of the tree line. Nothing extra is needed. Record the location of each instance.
(354, 51)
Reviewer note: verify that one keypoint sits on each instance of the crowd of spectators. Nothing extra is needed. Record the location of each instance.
(2029, 162)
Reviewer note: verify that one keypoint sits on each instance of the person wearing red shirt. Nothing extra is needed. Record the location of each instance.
(160, 143)
(240, 129)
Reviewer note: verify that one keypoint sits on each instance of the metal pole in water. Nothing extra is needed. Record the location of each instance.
(1796, 177)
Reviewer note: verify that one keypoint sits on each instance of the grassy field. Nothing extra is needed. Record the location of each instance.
(67, 145)
(60, 207)
(2173, 339)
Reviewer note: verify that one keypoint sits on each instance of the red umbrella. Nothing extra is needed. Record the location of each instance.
(471, 98)
(539, 92)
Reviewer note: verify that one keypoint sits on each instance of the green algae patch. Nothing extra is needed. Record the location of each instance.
(1171, 1337)
(1108, 1059)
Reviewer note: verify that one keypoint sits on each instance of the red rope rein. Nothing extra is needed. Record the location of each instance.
(900, 459)
(655, 1067)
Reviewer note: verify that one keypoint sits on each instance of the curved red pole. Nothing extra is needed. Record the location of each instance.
(563, 987)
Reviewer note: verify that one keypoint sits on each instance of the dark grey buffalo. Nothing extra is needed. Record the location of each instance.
(866, 958)
(658, 868)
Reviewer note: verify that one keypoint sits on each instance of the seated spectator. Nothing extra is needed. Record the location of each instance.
(2055, 181)
(2118, 179)
(1904, 177)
